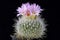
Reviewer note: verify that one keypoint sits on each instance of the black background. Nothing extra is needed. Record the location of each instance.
(8, 13)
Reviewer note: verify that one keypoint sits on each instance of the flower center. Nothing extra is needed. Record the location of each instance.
(28, 13)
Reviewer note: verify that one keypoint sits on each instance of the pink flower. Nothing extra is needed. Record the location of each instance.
(29, 9)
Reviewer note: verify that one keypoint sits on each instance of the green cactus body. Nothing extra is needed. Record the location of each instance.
(30, 28)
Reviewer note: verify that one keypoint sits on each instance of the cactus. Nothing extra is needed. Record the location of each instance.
(30, 25)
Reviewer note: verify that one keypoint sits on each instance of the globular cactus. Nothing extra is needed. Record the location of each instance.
(30, 25)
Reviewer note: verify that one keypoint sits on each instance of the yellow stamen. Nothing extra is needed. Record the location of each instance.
(33, 16)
